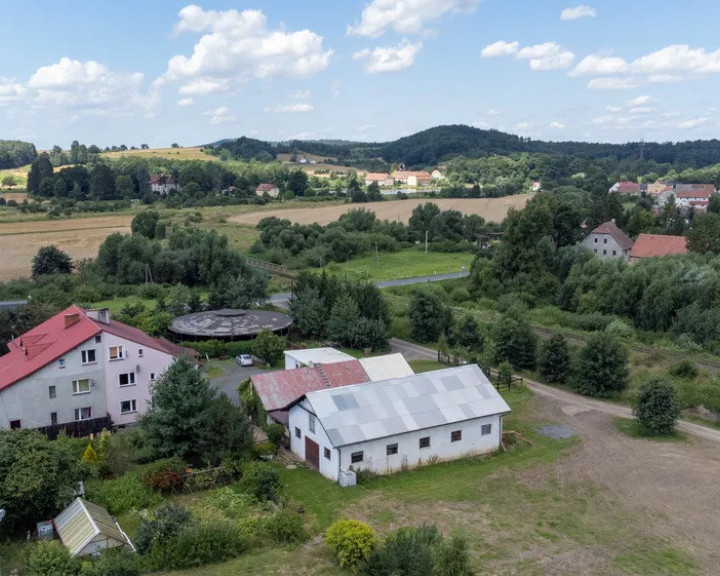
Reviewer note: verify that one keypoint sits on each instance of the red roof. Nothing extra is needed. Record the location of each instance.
(377, 176)
(695, 193)
(278, 389)
(265, 187)
(657, 245)
(627, 187)
(58, 335)
(159, 178)
(618, 235)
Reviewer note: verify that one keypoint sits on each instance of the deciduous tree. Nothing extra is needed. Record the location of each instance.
(51, 260)
(602, 366)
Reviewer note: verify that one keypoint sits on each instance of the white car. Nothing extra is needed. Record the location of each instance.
(244, 360)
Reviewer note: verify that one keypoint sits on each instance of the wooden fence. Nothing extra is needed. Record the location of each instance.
(272, 268)
(492, 374)
(78, 429)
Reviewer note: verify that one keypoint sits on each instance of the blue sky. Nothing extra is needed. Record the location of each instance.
(164, 71)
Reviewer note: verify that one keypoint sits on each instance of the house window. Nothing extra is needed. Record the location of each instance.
(98, 339)
(127, 379)
(15, 424)
(356, 457)
(311, 423)
(595, 240)
(604, 240)
(604, 252)
(152, 376)
(425, 442)
(83, 414)
(88, 356)
(116, 352)
(456, 436)
(614, 252)
(326, 452)
(595, 250)
(81, 386)
(485, 429)
(392, 449)
(141, 352)
(52, 392)
(61, 363)
(298, 434)
(53, 418)
(128, 406)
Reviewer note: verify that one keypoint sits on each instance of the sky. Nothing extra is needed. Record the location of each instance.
(164, 71)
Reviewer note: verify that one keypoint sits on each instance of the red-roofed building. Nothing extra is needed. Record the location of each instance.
(693, 195)
(266, 188)
(625, 188)
(417, 178)
(608, 241)
(381, 178)
(163, 184)
(82, 371)
(657, 245)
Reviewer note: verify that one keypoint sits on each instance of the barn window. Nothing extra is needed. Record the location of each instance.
(614, 252)
(53, 419)
(456, 436)
(326, 452)
(425, 442)
(605, 241)
(604, 252)
(485, 429)
(311, 423)
(595, 240)
(298, 434)
(15, 424)
(356, 457)
(392, 449)
(52, 391)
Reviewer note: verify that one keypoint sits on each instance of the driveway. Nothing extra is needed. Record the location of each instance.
(232, 374)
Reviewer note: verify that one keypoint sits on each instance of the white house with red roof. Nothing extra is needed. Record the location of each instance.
(82, 371)
(163, 184)
(608, 241)
(267, 188)
(695, 196)
(381, 178)
(625, 188)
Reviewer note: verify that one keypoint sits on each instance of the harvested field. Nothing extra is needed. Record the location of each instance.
(190, 153)
(492, 209)
(80, 238)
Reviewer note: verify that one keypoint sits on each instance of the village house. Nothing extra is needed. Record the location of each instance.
(398, 423)
(536, 186)
(82, 371)
(411, 178)
(437, 175)
(657, 246)
(608, 241)
(163, 184)
(380, 178)
(654, 189)
(266, 188)
(695, 196)
(625, 188)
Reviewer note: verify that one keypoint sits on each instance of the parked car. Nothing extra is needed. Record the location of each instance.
(244, 360)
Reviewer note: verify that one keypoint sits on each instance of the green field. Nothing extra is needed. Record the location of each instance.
(403, 264)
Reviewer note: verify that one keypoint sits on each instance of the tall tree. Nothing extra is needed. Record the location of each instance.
(554, 359)
(429, 317)
(102, 182)
(40, 169)
(51, 260)
(602, 366)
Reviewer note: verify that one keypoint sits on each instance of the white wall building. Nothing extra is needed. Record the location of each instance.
(403, 422)
(311, 356)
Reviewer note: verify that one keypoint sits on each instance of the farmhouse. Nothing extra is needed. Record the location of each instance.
(412, 178)
(695, 196)
(625, 188)
(82, 372)
(381, 178)
(608, 241)
(656, 188)
(402, 422)
(163, 184)
(86, 529)
(656, 246)
(269, 189)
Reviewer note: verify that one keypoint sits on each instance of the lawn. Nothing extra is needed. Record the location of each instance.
(419, 366)
(403, 264)
(631, 428)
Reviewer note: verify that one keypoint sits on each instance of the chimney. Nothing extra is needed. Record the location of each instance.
(71, 319)
(99, 315)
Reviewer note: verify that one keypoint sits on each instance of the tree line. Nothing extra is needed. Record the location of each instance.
(14, 153)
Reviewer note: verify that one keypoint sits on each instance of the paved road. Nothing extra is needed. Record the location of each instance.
(283, 298)
(570, 402)
(232, 375)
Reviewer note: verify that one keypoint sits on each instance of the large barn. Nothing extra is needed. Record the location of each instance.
(402, 422)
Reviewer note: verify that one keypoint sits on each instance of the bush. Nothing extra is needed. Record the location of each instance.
(51, 559)
(685, 369)
(112, 562)
(504, 377)
(169, 520)
(285, 527)
(261, 480)
(409, 551)
(554, 359)
(122, 494)
(264, 449)
(351, 541)
(656, 407)
(275, 433)
(164, 475)
(602, 366)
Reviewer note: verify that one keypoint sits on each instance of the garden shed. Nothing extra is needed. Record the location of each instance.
(85, 528)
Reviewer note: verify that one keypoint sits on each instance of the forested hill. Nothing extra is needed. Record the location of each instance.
(441, 143)
(14, 153)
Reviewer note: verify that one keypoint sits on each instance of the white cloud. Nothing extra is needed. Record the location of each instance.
(291, 108)
(237, 46)
(479, 124)
(389, 58)
(694, 122)
(10, 90)
(613, 108)
(186, 102)
(523, 126)
(499, 48)
(606, 119)
(493, 112)
(405, 16)
(219, 115)
(301, 94)
(613, 83)
(594, 65)
(557, 125)
(639, 100)
(641, 110)
(576, 12)
(546, 56)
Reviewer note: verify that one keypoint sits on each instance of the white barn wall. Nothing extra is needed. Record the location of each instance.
(299, 417)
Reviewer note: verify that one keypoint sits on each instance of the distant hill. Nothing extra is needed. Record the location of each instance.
(441, 143)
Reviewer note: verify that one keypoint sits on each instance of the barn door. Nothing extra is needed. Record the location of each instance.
(312, 452)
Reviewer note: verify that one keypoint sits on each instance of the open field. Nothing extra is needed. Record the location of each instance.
(492, 209)
(190, 153)
(17, 196)
(20, 175)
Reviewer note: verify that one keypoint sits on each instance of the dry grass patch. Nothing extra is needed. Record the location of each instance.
(190, 153)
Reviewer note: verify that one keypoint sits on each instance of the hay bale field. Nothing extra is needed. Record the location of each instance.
(492, 209)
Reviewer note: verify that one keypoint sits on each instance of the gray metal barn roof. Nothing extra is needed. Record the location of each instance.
(363, 412)
(229, 323)
(82, 522)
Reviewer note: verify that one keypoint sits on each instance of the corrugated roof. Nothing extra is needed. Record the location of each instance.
(81, 522)
(278, 389)
(386, 367)
(318, 355)
(694, 190)
(657, 245)
(618, 235)
(379, 409)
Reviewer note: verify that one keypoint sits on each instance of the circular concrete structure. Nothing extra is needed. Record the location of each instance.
(229, 324)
